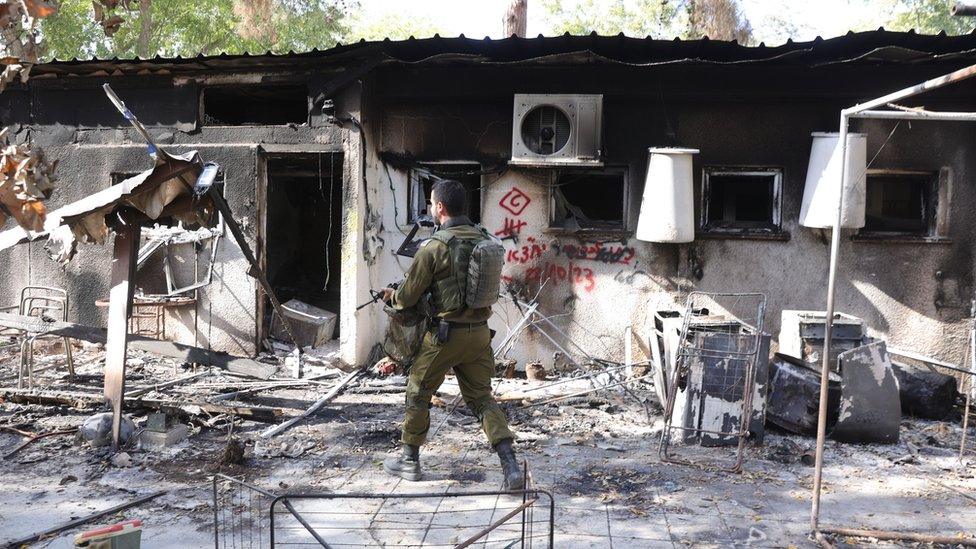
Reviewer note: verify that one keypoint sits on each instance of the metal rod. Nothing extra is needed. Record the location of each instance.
(972, 380)
(917, 115)
(314, 407)
(930, 360)
(588, 391)
(829, 327)
(962, 9)
(468, 542)
(78, 522)
(907, 536)
(166, 385)
(35, 438)
(928, 85)
(514, 331)
(305, 524)
(934, 83)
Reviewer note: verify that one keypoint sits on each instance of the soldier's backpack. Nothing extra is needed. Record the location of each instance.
(476, 272)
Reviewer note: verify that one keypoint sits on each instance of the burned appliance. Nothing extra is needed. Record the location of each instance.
(801, 335)
(794, 395)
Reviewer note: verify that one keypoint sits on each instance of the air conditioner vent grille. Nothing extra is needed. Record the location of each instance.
(545, 130)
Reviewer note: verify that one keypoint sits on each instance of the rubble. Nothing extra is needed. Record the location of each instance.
(96, 430)
(595, 454)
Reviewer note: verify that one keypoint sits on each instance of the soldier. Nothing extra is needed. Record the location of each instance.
(459, 338)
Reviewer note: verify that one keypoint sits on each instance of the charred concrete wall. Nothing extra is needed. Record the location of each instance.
(592, 284)
(72, 121)
(915, 293)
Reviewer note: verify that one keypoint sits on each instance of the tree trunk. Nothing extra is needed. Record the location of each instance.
(515, 18)
(145, 28)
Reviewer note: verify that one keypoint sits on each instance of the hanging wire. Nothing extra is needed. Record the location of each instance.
(396, 210)
(328, 237)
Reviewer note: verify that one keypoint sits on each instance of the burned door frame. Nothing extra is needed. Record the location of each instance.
(266, 152)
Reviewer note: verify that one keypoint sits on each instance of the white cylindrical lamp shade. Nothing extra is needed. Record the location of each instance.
(819, 207)
(667, 211)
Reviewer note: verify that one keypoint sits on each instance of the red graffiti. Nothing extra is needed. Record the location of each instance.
(515, 201)
(572, 274)
(512, 227)
(597, 252)
(532, 250)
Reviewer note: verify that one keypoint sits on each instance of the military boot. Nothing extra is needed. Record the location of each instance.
(512, 478)
(407, 465)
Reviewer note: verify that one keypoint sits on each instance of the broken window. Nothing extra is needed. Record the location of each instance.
(900, 203)
(590, 199)
(741, 200)
(255, 105)
(422, 179)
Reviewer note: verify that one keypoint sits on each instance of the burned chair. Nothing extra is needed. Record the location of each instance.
(48, 304)
(713, 395)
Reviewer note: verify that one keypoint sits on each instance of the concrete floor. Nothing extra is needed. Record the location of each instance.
(599, 461)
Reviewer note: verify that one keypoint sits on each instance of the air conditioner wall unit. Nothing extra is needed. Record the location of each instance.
(557, 130)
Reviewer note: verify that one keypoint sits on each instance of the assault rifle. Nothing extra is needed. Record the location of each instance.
(377, 295)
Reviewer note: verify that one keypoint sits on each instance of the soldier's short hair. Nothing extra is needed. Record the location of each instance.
(451, 194)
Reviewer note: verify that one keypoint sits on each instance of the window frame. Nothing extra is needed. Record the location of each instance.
(934, 203)
(622, 169)
(414, 184)
(775, 227)
(202, 103)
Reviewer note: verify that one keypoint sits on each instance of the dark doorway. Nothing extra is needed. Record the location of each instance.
(304, 229)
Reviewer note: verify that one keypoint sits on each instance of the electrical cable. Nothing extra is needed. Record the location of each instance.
(396, 211)
(328, 237)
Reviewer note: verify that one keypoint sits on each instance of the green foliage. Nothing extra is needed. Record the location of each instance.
(656, 18)
(179, 27)
(395, 26)
(928, 17)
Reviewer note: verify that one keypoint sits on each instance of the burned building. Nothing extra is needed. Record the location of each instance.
(326, 158)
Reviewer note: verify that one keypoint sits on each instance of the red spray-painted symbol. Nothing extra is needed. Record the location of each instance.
(515, 201)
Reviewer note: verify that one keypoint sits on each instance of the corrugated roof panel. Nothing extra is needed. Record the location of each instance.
(878, 46)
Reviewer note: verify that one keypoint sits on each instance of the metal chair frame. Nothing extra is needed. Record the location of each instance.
(39, 301)
(684, 355)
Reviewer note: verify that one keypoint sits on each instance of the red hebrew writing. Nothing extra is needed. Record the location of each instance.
(512, 227)
(515, 201)
(532, 250)
(598, 251)
(571, 274)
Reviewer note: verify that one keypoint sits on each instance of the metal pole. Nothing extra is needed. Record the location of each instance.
(903, 536)
(829, 327)
(934, 83)
(917, 115)
(845, 114)
(963, 8)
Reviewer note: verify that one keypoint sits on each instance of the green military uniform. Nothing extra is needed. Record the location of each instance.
(467, 349)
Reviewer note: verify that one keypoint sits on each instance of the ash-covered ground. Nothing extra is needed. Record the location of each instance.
(597, 456)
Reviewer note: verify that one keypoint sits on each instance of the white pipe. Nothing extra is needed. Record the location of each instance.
(917, 115)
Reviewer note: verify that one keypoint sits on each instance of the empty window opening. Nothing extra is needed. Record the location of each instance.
(303, 230)
(422, 179)
(741, 200)
(255, 105)
(900, 203)
(175, 257)
(590, 199)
